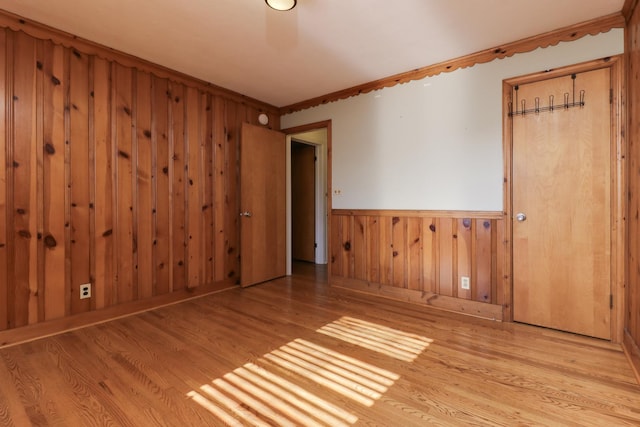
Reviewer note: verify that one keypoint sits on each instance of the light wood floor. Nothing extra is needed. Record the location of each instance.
(295, 352)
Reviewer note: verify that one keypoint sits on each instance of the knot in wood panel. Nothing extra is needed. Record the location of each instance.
(50, 241)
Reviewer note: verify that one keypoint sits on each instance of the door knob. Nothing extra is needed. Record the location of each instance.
(521, 217)
(246, 213)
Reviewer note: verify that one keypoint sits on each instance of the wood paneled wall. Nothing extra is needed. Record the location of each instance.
(113, 176)
(632, 309)
(422, 256)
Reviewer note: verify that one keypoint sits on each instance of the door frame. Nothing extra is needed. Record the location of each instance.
(618, 183)
(324, 175)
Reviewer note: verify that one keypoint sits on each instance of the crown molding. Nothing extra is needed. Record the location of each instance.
(551, 38)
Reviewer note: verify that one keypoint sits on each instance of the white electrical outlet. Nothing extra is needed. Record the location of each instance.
(85, 291)
(465, 283)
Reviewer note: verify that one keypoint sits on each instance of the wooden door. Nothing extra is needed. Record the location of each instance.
(262, 204)
(561, 181)
(303, 202)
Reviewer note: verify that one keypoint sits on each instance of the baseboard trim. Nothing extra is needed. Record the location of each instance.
(441, 302)
(633, 354)
(11, 337)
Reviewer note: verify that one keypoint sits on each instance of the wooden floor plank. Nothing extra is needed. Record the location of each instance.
(295, 351)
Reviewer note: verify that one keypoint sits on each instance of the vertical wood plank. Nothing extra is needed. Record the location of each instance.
(35, 190)
(23, 298)
(194, 202)
(336, 246)
(103, 167)
(632, 309)
(54, 88)
(67, 181)
(232, 207)
(632, 297)
(79, 184)
(464, 243)
(399, 251)
(360, 250)
(207, 178)
(430, 272)
(91, 184)
(495, 269)
(483, 261)
(219, 206)
(373, 248)
(503, 282)
(135, 291)
(178, 187)
(414, 253)
(632, 312)
(347, 244)
(386, 250)
(163, 205)
(4, 141)
(445, 228)
(38, 299)
(144, 191)
(124, 191)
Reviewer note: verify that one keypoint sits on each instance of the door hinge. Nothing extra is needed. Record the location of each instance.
(611, 301)
(610, 96)
(315, 246)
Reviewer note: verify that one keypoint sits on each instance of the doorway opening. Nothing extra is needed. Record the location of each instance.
(303, 201)
(302, 144)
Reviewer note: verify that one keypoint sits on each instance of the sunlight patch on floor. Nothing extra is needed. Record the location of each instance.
(378, 338)
(271, 392)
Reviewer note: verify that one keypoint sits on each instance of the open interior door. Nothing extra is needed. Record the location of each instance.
(262, 204)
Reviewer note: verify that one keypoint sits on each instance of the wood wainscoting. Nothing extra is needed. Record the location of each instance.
(120, 176)
(421, 257)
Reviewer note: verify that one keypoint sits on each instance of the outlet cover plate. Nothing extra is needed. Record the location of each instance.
(85, 291)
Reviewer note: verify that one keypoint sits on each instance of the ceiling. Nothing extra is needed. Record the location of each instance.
(319, 47)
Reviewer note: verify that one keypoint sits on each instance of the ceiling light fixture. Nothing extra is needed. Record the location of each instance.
(281, 4)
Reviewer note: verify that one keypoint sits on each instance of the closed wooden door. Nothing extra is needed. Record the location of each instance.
(303, 202)
(561, 203)
(262, 204)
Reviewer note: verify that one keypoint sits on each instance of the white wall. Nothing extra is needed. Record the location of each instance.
(436, 143)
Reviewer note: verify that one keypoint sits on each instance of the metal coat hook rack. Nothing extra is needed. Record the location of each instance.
(569, 102)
